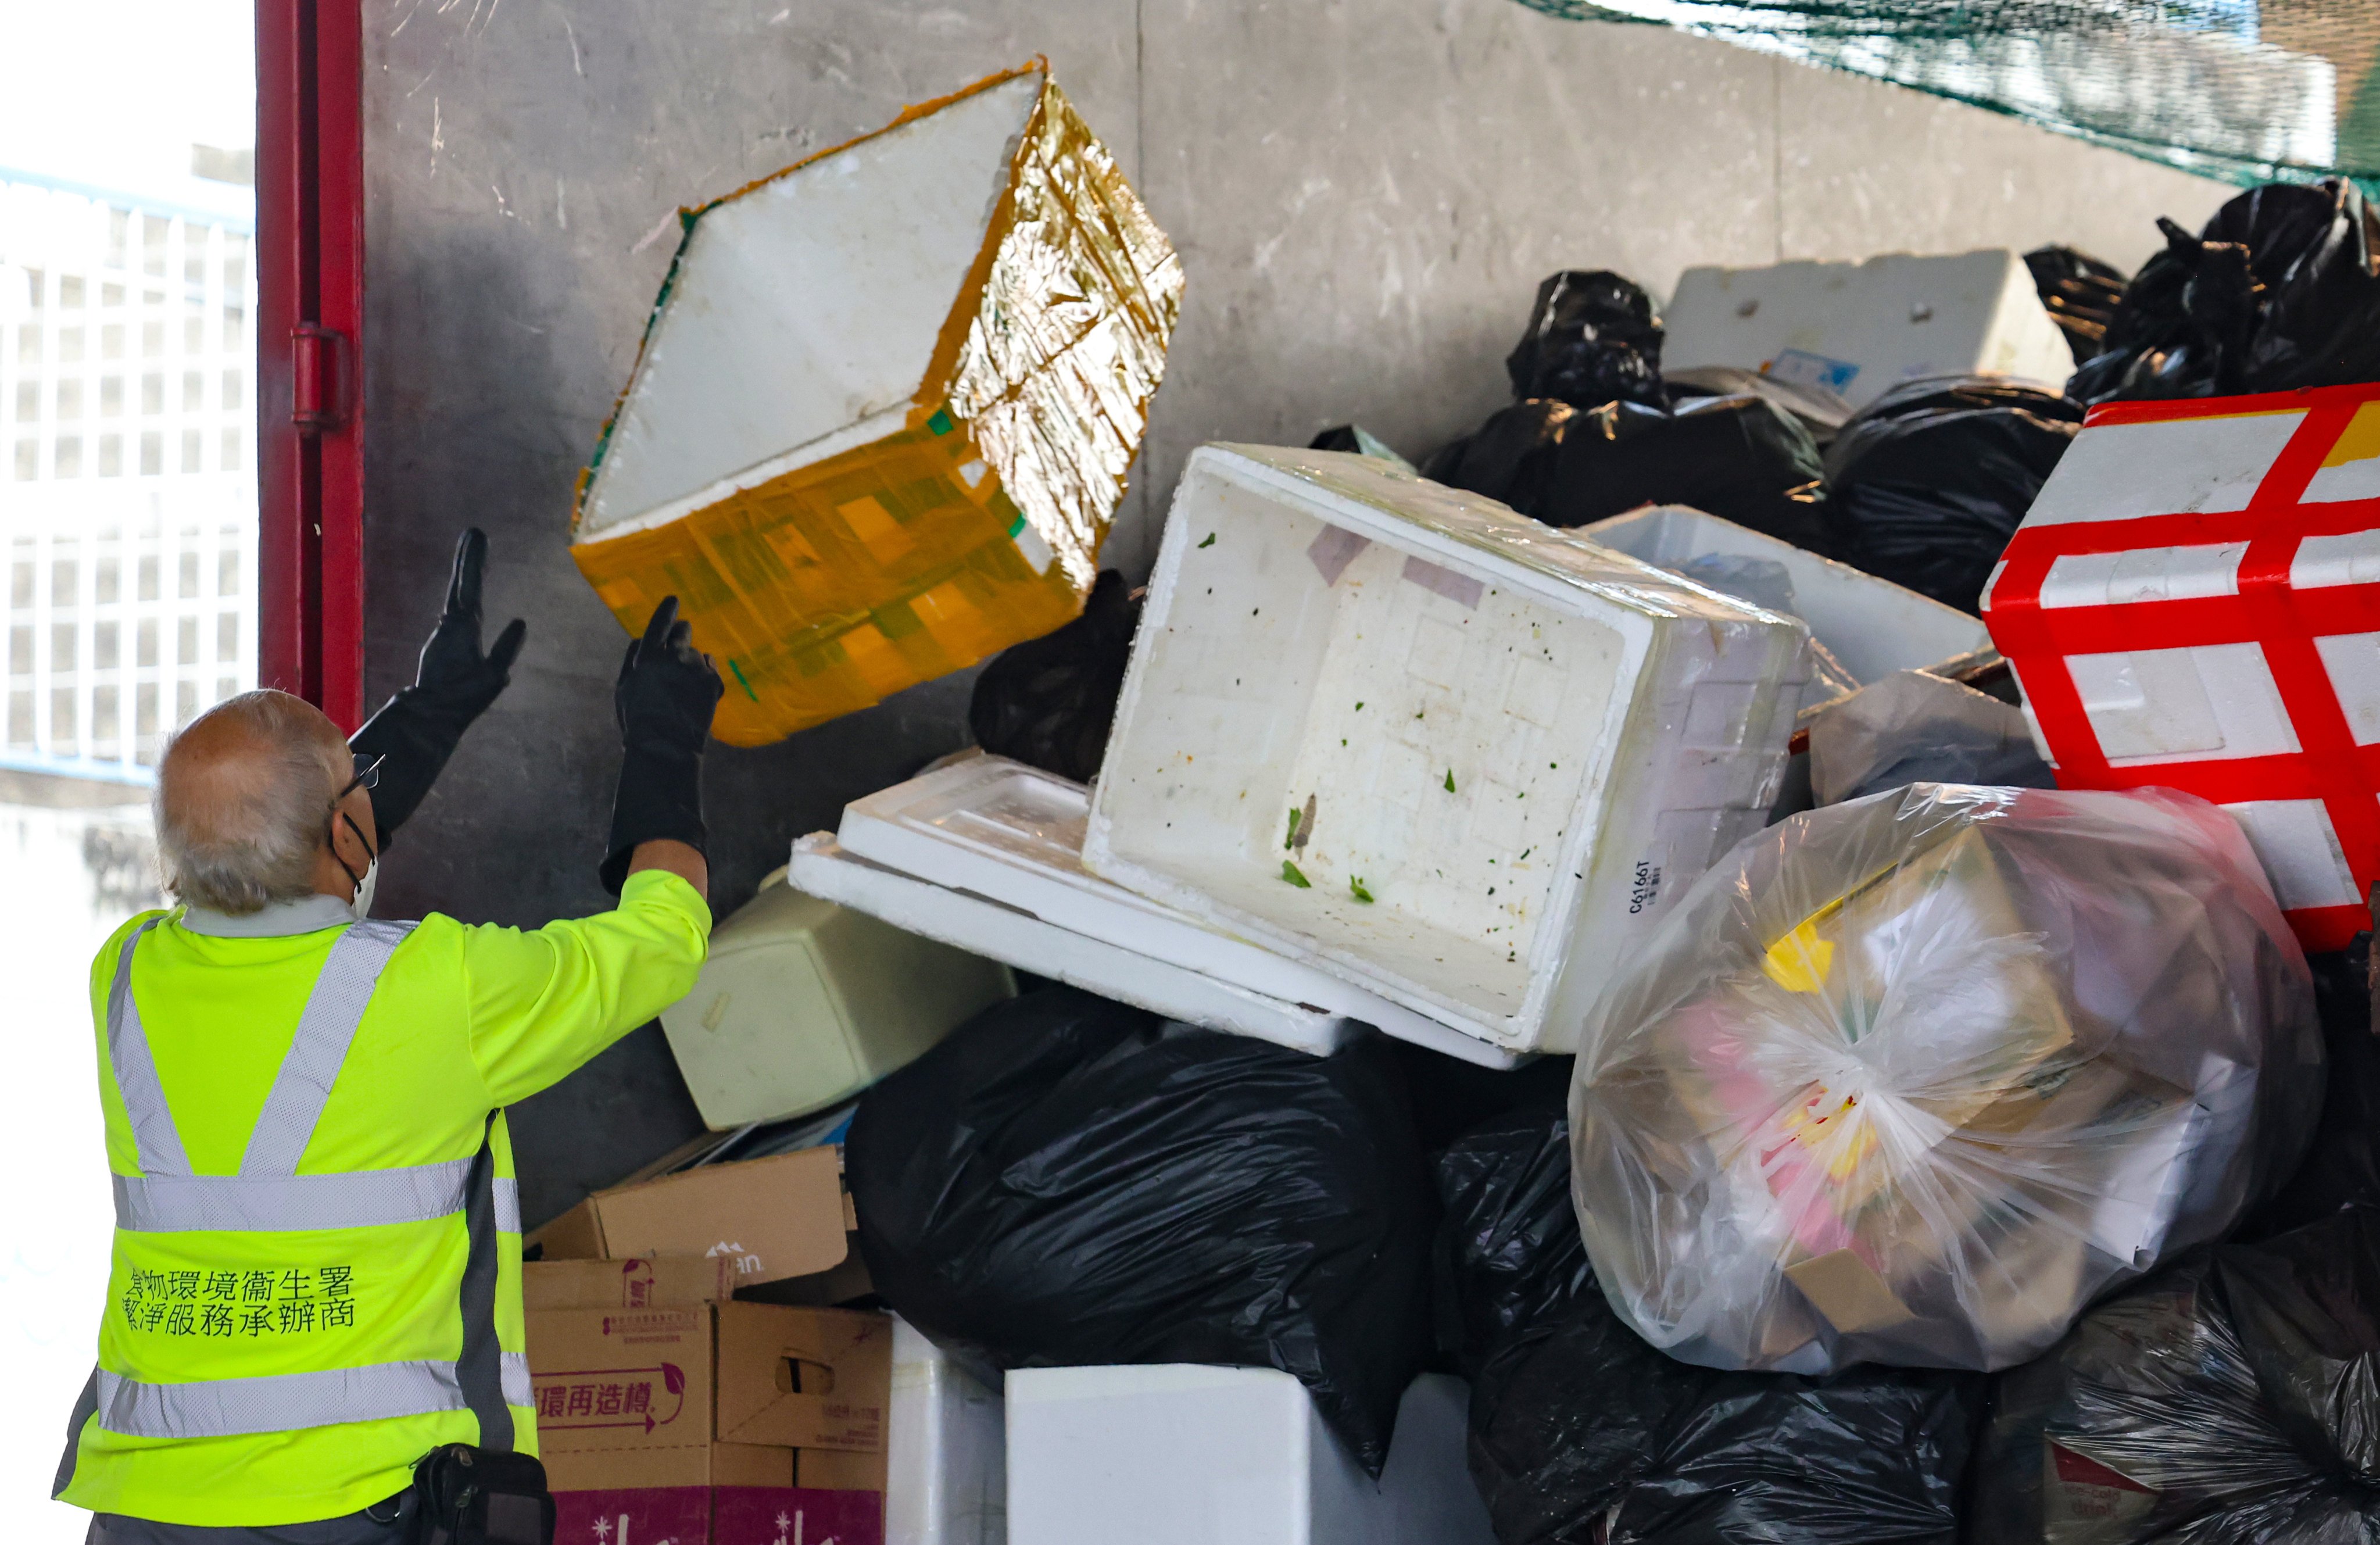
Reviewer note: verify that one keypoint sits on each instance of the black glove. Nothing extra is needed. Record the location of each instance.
(667, 693)
(419, 729)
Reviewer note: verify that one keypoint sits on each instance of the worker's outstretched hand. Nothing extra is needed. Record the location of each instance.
(668, 689)
(666, 694)
(452, 664)
(454, 683)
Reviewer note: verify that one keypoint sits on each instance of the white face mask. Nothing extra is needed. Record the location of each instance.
(360, 904)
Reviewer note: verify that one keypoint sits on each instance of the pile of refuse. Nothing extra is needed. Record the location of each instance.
(1726, 958)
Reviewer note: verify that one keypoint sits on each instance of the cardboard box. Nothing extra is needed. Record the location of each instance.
(720, 1514)
(772, 1219)
(643, 1282)
(688, 1376)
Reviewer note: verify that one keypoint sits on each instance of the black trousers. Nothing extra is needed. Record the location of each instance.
(387, 1524)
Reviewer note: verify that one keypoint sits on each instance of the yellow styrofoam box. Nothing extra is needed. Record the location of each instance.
(804, 1004)
(885, 406)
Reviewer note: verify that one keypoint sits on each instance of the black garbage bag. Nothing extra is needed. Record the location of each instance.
(2280, 290)
(2342, 1164)
(1578, 1427)
(1509, 1258)
(2233, 1399)
(1593, 338)
(1743, 458)
(1927, 483)
(2078, 292)
(1051, 701)
(1065, 1180)
(1356, 440)
(1585, 1435)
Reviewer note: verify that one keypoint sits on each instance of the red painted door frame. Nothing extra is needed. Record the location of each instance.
(309, 224)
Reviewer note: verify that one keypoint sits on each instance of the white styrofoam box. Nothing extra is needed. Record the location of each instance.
(1013, 833)
(1873, 625)
(823, 346)
(803, 1003)
(2190, 601)
(1861, 329)
(1180, 1453)
(1517, 747)
(946, 1451)
(979, 926)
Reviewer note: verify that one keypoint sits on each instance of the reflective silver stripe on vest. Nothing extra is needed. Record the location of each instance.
(284, 1402)
(268, 1195)
(154, 1140)
(360, 1199)
(514, 1374)
(507, 1191)
(333, 1011)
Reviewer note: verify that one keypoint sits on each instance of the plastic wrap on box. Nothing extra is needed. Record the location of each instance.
(885, 406)
(2194, 602)
(1913, 1079)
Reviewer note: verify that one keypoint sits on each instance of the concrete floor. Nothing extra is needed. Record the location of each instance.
(1365, 193)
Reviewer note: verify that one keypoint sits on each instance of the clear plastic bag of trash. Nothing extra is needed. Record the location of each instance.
(1915, 727)
(1914, 1078)
(2233, 1399)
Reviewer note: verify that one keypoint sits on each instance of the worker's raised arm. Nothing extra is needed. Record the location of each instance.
(544, 1001)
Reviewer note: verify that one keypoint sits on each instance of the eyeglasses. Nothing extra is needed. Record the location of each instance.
(366, 777)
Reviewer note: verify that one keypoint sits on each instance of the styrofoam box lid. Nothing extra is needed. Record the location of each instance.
(1464, 699)
(802, 313)
(1873, 625)
(1013, 833)
(821, 867)
(1861, 329)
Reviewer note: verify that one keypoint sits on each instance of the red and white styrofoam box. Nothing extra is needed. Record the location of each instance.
(2194, 602)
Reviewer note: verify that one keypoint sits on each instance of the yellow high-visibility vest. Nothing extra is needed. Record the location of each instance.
(316, 1275)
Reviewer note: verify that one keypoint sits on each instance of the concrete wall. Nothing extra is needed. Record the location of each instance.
(1365, 193)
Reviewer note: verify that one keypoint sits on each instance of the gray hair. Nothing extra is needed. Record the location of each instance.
(238, 831)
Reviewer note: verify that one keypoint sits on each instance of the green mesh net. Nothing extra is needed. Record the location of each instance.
(2246, 91)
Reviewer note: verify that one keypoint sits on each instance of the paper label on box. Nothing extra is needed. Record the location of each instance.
(1804, 369)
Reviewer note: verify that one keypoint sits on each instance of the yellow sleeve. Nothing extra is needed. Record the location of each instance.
(544, 1001)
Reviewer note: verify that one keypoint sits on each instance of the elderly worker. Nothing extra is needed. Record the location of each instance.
(316, 1279)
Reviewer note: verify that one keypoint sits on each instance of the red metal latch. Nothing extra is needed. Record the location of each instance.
(314, 377)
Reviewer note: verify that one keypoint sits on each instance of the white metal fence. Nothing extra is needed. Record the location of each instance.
(127, 490)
